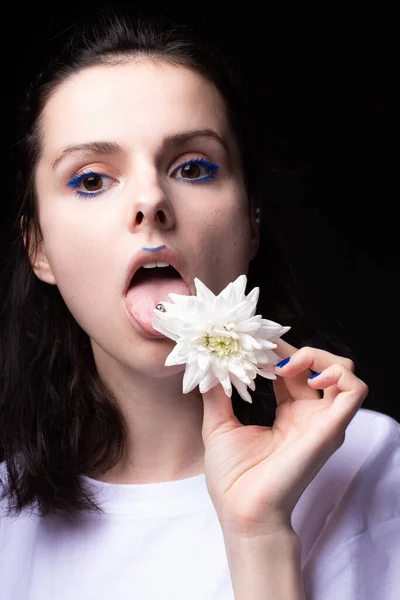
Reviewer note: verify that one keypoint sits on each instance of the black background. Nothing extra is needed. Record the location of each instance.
(332, 102)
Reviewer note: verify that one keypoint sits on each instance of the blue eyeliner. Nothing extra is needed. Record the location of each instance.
(76, 179)
(212, 168)
(154, 249)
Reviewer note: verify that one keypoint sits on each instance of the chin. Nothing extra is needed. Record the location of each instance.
(148, 359)
(142, 356)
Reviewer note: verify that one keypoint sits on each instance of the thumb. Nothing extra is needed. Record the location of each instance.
(218, 412)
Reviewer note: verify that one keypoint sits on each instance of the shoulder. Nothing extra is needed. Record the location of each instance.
(348, 518)
(372, 446)
(359, 486)
(369, 456)
(381, 425)
(369, 437)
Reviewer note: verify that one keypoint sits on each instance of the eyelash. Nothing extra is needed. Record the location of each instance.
(213, 170)
(77, 178)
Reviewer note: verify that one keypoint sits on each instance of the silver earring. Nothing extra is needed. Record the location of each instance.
(258, 213)
(160, 307)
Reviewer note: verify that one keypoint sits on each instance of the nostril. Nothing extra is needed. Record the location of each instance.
(161, 216)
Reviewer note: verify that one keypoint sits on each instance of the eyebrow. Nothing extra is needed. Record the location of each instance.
(112, 148)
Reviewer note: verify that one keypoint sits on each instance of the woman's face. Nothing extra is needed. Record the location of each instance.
(138, 155)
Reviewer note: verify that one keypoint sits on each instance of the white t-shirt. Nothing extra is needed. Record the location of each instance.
(163, 541)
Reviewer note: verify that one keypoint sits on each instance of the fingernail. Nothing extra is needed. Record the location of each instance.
(283, 362)
(315, 375)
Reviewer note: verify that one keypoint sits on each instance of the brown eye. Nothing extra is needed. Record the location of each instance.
(191, 171)
(92, 183)
(196, 171)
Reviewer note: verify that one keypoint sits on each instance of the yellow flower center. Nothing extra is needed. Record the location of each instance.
(222, 346)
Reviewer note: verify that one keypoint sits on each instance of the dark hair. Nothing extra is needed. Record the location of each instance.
(57, 419)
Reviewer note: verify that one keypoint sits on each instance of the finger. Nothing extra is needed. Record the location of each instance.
(281, 391)
(296, 385)
(314, 359)
(218, 412)
(352, 392)
(283, 348)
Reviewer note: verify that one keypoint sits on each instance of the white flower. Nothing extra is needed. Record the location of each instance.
(220, 338)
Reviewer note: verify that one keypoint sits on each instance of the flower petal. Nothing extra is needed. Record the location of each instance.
(220, 372)
(160, 327)
(226, 384)
(192, 377)
(267, 372)
(267, 345)
(248, 342)
(203, 360)
(249, 325)
(251, 370)
(240, 311)
(181, 300)
(203, 293)
(234, 291)
(237, 369)
(253, 296)
(208, 382)
(220, 338)
(242, 389)
(178, 356)
(273, 357)
(272, 330)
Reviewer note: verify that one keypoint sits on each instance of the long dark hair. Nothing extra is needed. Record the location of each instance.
(57, 419)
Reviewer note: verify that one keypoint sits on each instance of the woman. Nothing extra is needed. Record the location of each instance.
(137, 152)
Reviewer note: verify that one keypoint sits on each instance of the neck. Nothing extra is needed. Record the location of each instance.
(164, 440)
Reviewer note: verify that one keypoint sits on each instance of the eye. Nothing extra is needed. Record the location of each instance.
(89, 183)
(196, 170)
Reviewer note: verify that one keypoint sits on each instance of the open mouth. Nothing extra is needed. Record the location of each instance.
(150, 287)
(154, 274)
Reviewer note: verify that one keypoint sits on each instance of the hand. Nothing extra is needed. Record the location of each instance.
(255, 475)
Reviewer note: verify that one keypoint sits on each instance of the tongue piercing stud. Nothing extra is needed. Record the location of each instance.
(160, 307)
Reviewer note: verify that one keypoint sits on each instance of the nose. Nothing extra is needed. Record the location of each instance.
(152, 209)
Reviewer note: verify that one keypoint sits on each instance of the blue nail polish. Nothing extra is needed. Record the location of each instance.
(314, 376)
(283, 362)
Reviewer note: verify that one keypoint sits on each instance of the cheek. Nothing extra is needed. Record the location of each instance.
(217, 210)
(79, 255)
(71, 250)
(227, 226)
(78, 236)
(220, 242)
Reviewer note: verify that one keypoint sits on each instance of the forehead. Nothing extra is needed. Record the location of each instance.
(137, 100)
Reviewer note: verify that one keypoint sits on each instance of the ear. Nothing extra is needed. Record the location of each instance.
(37, 255)
(255, 222)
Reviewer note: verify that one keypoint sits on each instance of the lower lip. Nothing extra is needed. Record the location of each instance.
(136, 324)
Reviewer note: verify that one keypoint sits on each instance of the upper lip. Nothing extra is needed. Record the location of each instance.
(163, 255)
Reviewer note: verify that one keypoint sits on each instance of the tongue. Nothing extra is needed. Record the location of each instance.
(143, 297)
